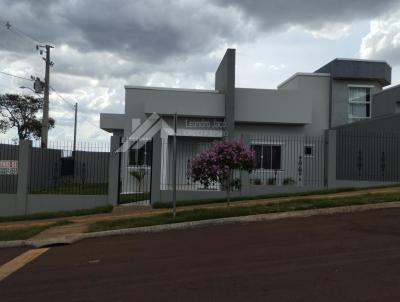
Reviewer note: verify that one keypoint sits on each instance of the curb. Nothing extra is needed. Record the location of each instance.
(69, 239)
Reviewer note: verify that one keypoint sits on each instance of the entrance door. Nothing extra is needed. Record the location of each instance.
(135, 174)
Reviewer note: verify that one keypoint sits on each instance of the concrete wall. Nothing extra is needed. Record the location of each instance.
(364, 70)
(96, 167)
(46, 165)
(386, 102)
(8, 205)
(166, 195)
(313, 94)
(45, 203)
(39, 203)
(316, 89)
(368, 156)
(186, 103)
(44, 168)
(112, 121)
(225, 82)
(272, 106)
(389, 124)
(340, 98)
(8, 183)
(22, 203)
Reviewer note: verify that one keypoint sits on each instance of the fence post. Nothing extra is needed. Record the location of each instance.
(114, 170)
(330, 158)
(155, 195)
(24, 161)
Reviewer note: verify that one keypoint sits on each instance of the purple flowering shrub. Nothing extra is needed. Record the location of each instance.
(217, 163)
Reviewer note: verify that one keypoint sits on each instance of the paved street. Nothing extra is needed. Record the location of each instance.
(348, 257)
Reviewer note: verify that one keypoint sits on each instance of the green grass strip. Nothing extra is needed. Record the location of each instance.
(168, 205)
(203, 214)
(27, 232)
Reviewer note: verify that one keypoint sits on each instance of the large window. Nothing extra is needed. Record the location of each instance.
(359, 103)
(268, 156)
(140, 156)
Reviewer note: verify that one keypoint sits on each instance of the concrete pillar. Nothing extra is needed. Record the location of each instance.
(330, 158)
(24, 163)
(156, 166)
(114, 170)
(244, 175)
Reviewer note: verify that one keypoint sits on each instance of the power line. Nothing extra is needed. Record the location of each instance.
(15, 76)
(61, 97)
(19, 32)
(73, 105)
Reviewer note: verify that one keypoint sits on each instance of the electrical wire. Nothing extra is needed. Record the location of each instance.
(73, 105)
(61, 97)
(15, 76)
(19, 32)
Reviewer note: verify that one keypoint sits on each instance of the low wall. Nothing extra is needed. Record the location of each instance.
(7, 204)
(166, 195)
(361, 184)
(257, 190)
(254, 190)
(38, 203)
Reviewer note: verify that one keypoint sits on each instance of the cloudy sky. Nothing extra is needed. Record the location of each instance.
(102, 45)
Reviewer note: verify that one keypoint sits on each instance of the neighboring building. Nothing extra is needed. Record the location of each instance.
(343, 92)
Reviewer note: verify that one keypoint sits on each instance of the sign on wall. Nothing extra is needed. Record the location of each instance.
(205, 127)
(8, 167)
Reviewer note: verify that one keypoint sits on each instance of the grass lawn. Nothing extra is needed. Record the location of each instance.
(74, 188)
(133, 197)
(168, 205)
(203, 214)
(27, 232)
(97, 210)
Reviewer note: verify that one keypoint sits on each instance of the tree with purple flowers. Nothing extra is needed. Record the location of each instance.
(217, 163)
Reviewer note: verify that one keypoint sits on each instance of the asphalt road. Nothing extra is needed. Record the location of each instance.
(347, 257)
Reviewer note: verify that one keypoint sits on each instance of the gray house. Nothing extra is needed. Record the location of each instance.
(343, 94)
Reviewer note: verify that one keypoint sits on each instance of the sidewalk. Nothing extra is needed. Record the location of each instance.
(80, 223)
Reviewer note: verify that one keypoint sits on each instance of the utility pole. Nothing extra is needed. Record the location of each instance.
(45, 121)
(76, 118)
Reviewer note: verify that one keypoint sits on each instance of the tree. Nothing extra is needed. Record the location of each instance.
(139, 175)
(217, 163)
(19, 111)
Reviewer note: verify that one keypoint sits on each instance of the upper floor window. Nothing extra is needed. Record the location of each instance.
(359, 103)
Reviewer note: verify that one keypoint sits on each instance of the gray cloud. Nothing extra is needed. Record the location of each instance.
(102, 45)
(159, 35)
(308, 13)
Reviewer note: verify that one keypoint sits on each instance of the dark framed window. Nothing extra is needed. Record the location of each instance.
(141, 156)
(268, 156)
(308, 151)
(359, 103)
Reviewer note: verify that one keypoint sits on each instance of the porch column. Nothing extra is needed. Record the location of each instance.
(24, 162)
(114, 177)
(244, 175)
(156, 169)
(330, 158)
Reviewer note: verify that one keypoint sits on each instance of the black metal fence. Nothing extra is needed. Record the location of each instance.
(61, 169)
(135, 172)
(280, 161)
(288, 160)
(368, 156)
(186, 150)
(8, 166)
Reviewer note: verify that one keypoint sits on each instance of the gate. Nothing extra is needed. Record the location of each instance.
(135, 173)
